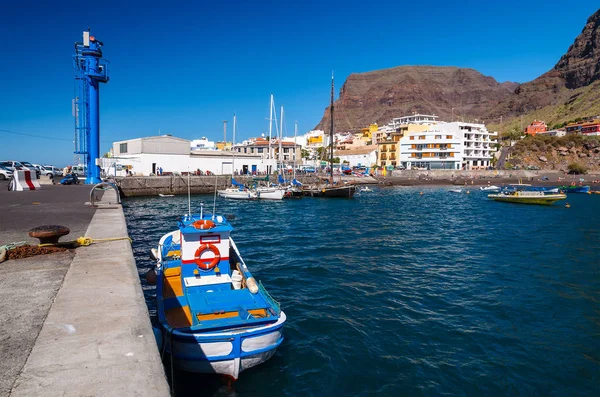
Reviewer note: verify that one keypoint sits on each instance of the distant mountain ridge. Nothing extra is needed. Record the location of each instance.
(379, 96)
(569, 90)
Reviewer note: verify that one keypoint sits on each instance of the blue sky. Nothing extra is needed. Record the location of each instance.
(184, 67)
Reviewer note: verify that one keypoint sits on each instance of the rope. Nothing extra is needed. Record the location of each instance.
(86, 241)
(13, 245)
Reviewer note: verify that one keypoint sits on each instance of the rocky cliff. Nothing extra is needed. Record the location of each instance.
(379, 96)
(552, 153)
(562, 85)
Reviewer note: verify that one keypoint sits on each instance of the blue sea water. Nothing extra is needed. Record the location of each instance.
(400, 293)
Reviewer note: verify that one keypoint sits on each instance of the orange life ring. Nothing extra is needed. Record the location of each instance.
(207, 264)
(203, 224)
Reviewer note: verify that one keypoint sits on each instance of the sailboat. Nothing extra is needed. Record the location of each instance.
(331, 188)
(237, 191)
(271, 192)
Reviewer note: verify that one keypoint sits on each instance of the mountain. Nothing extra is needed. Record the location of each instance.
(570, 90)
(570, 78)
(379, 96)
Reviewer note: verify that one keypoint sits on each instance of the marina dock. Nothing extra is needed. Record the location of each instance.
(74, 322)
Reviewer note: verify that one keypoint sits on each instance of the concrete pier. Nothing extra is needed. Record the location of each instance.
(75, 323)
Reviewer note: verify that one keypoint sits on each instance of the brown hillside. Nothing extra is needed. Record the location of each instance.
(575, 70)
(379, 96)
(570, 90)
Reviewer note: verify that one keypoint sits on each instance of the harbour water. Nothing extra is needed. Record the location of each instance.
(400, 293)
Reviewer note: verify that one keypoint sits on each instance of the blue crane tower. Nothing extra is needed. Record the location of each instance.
(90, 70)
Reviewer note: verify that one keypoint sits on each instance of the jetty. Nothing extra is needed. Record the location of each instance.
(74, 322)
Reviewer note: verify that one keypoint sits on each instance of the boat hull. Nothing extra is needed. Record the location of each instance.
(539, 200)
(332, 192)
(236, 194)
(226, 353)
(575, 189)
(270, 193)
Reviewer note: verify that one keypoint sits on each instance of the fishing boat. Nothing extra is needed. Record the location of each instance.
(214, 317)
(331, 189)
(575, 188)
(527, 197)
(490, 188)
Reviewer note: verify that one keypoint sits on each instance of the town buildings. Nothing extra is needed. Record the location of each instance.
(536, 127)
(422, 142)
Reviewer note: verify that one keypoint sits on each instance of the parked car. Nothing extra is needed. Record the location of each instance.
(51, 171)
(5, 173)
(12, 165)
(32, 167)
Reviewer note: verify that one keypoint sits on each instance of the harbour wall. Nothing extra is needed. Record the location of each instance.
(97, 339)
(132, 186)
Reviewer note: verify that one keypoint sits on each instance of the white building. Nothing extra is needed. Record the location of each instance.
(362, 156)
(202, 144)
(441, 145)
(145, 156)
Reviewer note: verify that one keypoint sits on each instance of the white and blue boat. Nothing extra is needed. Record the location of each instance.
(214, 316)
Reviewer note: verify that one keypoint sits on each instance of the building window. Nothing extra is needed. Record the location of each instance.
(286, 150)
(412, 137)
(260, 150)
(438, 137)
(448, 136)
(422, 137)
(123, 148)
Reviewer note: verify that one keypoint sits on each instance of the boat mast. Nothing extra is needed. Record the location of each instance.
(331, 133)
(295, 133)
(271, 105)
(233, 146)
(280, 138)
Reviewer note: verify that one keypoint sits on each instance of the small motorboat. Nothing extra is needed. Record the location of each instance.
(214, 316)
(528, 197)
(490, 188)
(366, 189)
(454, 190)
(165, 195)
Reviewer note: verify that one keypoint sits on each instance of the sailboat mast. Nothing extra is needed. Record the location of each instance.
(295, 134)
(271, 105)
(331, 133)
(233, 145)
(280, 138)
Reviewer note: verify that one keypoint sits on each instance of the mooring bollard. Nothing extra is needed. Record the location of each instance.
(49, 234)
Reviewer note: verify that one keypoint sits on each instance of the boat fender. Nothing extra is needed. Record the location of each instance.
(207, 264)
(151, 277)
(251, 284)
(203, 224)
